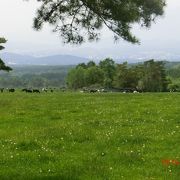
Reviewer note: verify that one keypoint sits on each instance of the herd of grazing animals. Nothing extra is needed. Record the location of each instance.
(7, 89)
(31, 90)
(27, 90)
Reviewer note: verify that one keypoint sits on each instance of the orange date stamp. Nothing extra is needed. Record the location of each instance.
(167, 162)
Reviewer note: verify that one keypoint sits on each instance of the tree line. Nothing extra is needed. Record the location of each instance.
(33, 80)
(149, 76)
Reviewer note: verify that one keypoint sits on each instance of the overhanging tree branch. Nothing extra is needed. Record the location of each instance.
(80, 20)
(2, 64)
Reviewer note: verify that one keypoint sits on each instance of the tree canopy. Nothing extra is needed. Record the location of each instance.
(2, 64)
(149, 76)
(80, 20)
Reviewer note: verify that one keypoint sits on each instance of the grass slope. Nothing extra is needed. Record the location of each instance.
(89, 136)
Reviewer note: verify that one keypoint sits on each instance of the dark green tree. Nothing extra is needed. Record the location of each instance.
(126, 77)
(173, 87)
(154, 76)
(76, 78)
(94, 76)
(79, 20)
(2, 64)
(109, 67)
(174, 72)
(83, 65)
(91, 64)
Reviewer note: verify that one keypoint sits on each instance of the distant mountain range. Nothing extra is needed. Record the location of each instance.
(17, 59)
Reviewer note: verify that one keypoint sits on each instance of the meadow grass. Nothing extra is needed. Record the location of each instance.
(89, 136)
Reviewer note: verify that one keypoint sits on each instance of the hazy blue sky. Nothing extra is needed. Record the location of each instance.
(161, 41)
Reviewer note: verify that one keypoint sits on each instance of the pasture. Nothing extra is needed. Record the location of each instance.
(89, 136)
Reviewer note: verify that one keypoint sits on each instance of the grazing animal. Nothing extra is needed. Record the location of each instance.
(24, 90)
(135, 92)
(2, 90)
(35, 91)
(104, 90)
(31, 90)
(27, 90)
(44, 90)
(11, 90)
(93, 90)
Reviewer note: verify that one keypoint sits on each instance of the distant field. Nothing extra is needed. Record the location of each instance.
(89, 136)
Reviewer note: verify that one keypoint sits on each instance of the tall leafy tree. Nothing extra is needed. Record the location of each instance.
(126, 77)
(81, 20)
(154, 77)
(91, 64)
(2, 64)
(83, 65)
(94, 76)
(76, 78)
(149, 76)
(109, 67)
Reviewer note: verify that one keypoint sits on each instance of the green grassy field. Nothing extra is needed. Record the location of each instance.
(89, 136)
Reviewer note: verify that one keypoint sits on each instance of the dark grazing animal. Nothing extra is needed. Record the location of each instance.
(24, 90)
(31, 90)
(2, 90)
(27, 90)
(11, 90)
(93, 90)
(35, 91)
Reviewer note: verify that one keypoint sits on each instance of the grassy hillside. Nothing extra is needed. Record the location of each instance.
(89, 136)
(36, 70)
(34, 76)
